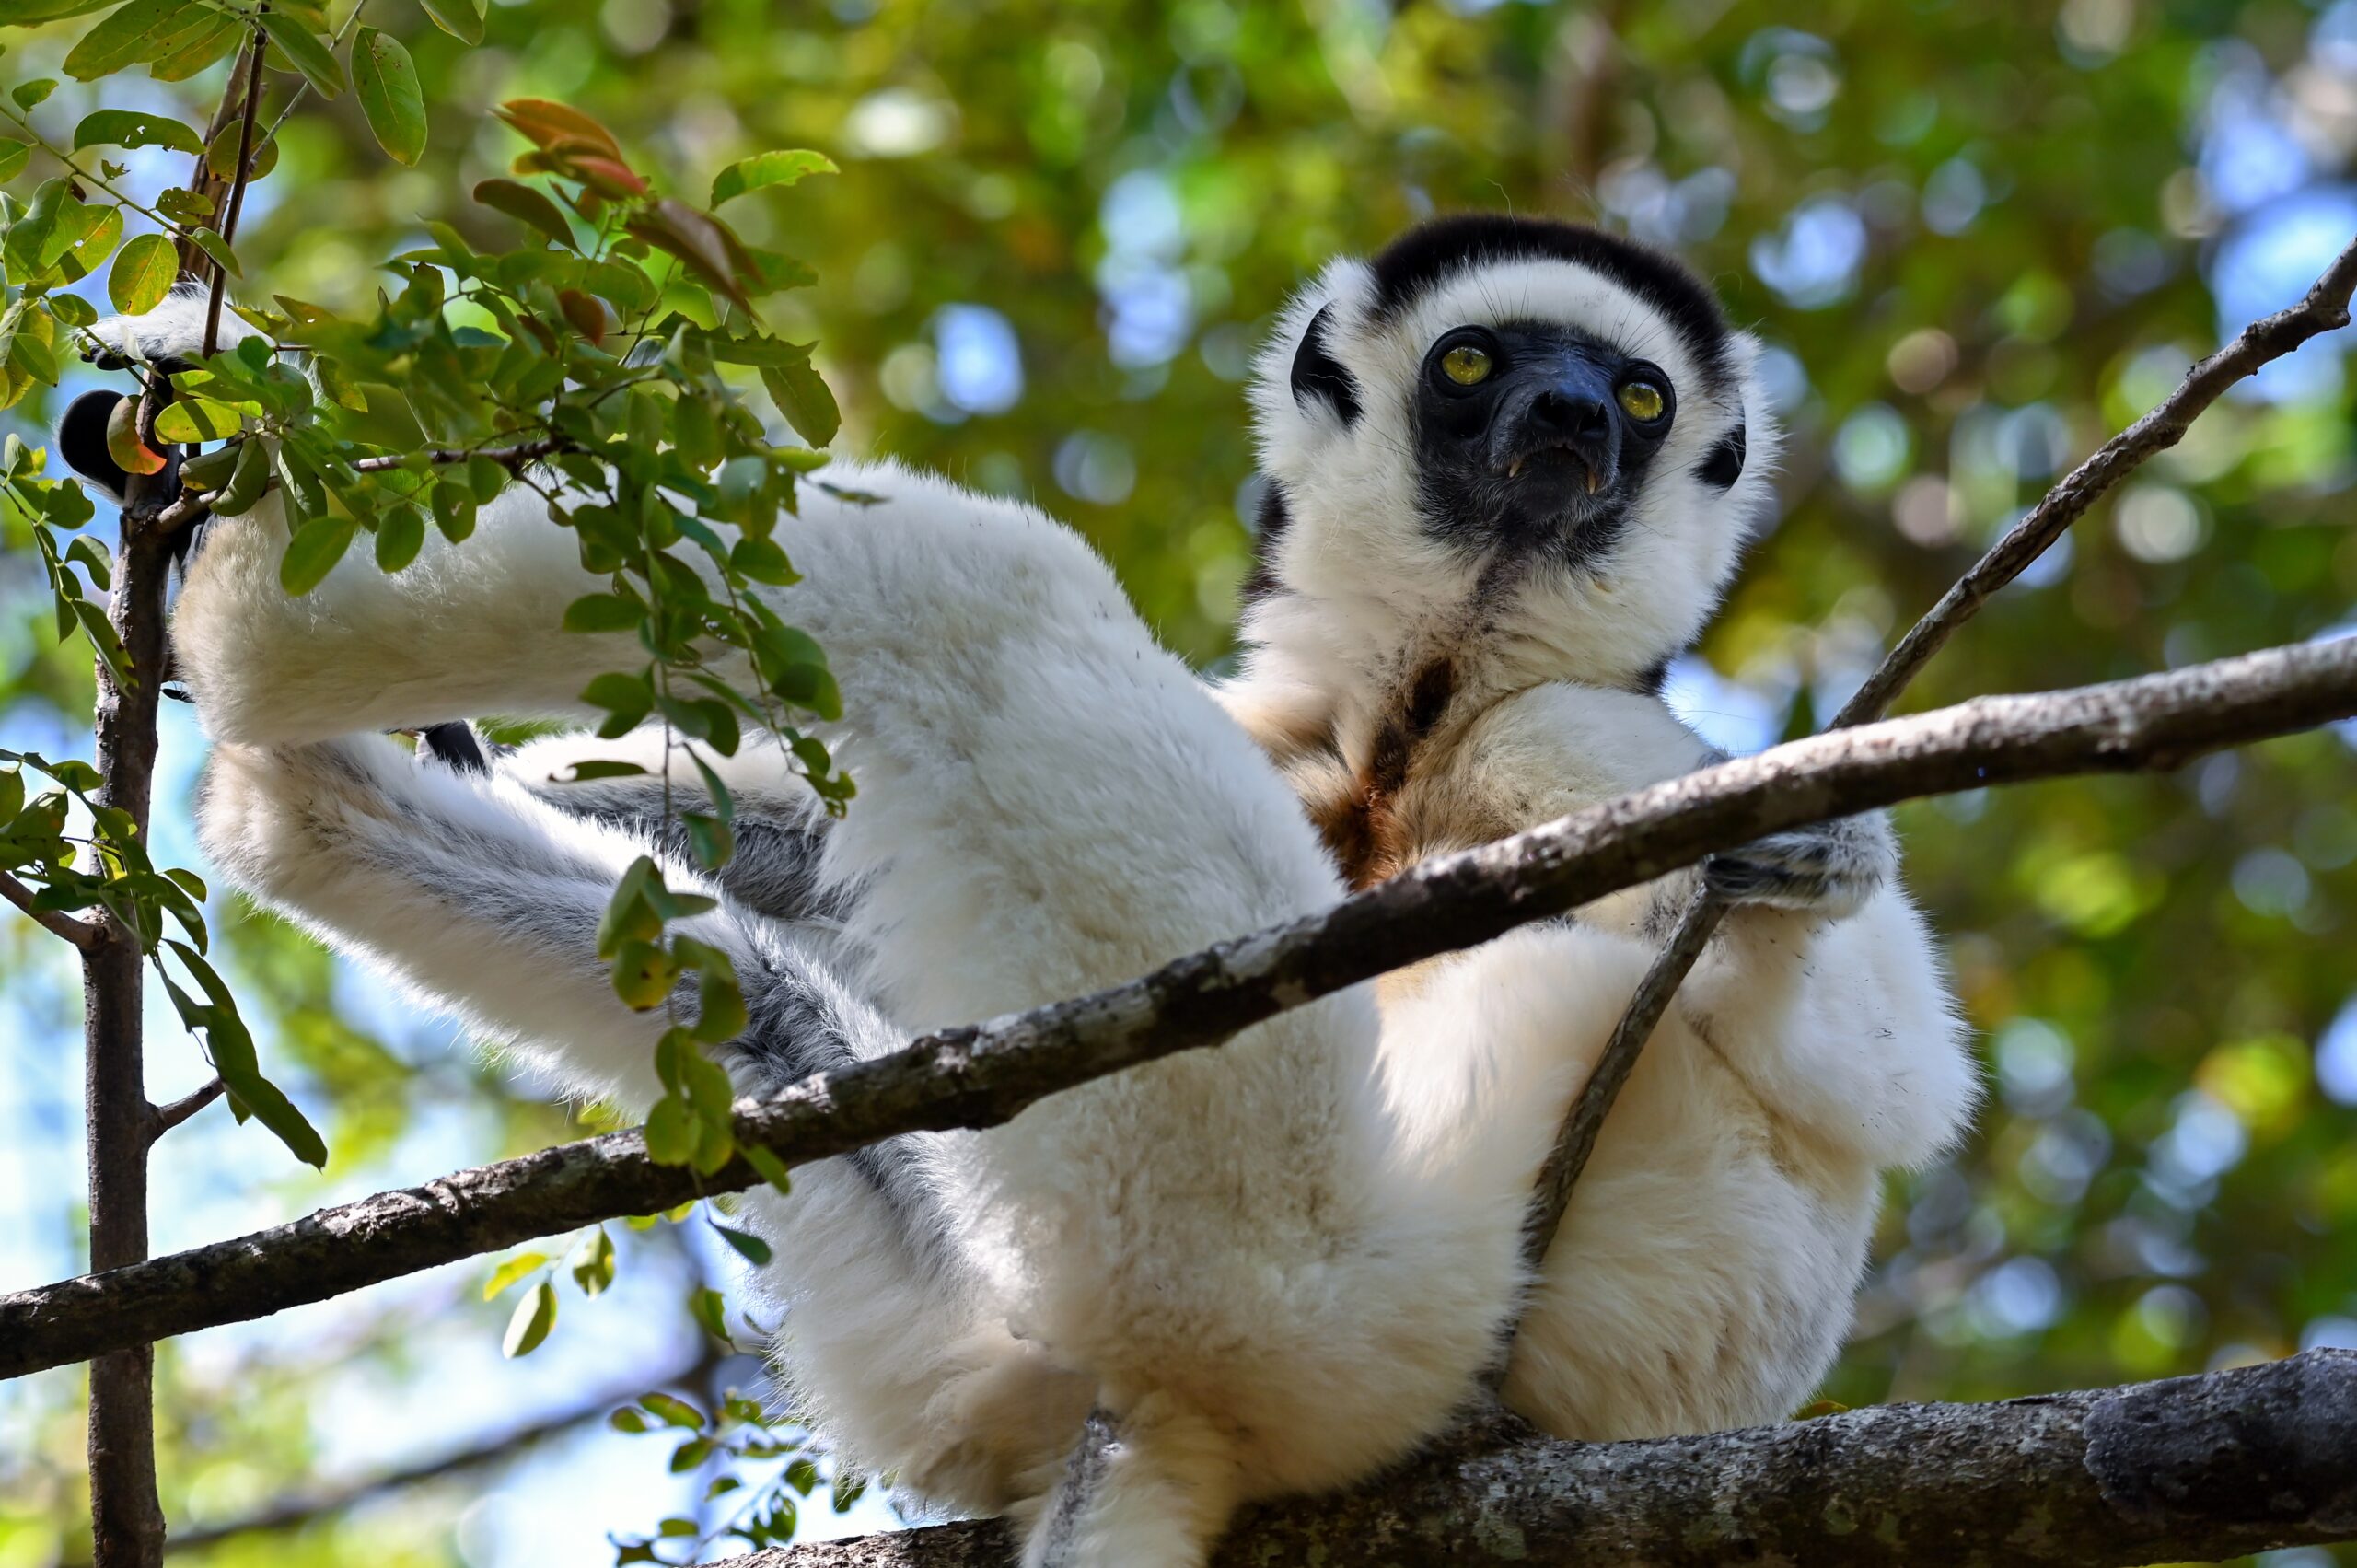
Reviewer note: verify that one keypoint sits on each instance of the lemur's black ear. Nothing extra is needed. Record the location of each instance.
(1319, 375)
(1723, 465)
(82, 441)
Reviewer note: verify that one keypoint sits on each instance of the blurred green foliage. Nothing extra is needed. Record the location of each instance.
(1977, 236)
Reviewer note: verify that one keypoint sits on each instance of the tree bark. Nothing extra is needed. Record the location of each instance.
(126, 1519)
(2187, 1470)
(980, 1075)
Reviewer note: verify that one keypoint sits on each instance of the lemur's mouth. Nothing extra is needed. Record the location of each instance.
(1555, 453)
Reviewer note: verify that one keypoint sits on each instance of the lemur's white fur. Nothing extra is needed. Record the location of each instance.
(1704, 1272)
(1276, 1266)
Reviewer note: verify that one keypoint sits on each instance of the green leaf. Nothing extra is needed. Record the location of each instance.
(454, 509)
(232, 1050)
(210, 241)
(72, 310)
(673, 1411)
(522, 203)
(764, 169)
(804, 400)
(131, 128)
(124, 37)
(13, 155)
(201, 49)
(627, 1420)
(603, 613)
(462, 20)
(593, 1262)
(32, 95)
(533, 1318)
(624, 696)
(400, 534)
(386, 80)
(192, 418)
(510, 1270)
(670, 1131)
(772, 1169)
(308, 55)
(751, 1248)
(711, 1310)
(764, 562)
(316, 546)
(142, 274)
(25, 13)
(247, 479)
(588, 772)
(221, 156)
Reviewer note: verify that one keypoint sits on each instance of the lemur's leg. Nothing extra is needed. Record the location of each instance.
(486, 900)
(779, 826)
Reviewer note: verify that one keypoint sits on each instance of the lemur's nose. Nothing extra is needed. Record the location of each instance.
(1580, 420)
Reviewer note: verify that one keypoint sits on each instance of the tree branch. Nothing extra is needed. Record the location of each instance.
(170, 1116)
(2190, 1468)
(292, 1513)
(191, 505)
(2324, 308)
(83, 934)
(979, 1075)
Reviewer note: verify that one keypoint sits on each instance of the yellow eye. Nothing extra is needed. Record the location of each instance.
(1642, 401)
(1465, 365)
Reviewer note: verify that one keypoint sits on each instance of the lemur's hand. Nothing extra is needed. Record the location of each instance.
(1830, 868)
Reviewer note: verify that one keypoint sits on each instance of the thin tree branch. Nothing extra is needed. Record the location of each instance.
(979, 1075)
(190, 507)
(2324, 308)
(292, 1513)
(83, 934)
(170, 1116)
(1584, 1121)
(258, 47)
(2187, 1470)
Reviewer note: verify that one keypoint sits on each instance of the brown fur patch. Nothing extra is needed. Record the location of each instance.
(1363, 825)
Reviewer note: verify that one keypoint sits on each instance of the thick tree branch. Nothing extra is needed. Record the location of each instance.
(979, 1075)
(81, 933)
(2189, 1469)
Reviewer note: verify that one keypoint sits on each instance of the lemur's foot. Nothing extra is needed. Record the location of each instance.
(1830, 868)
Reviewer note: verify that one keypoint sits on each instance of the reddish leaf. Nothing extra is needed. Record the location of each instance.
(546, 125)
(587, 316)
(700, 241)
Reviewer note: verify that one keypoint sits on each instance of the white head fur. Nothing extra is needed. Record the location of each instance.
(1361, 582)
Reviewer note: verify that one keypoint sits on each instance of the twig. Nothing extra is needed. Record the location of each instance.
(292, 1513)
(1552, 1193)
(190, 507)
(170, 1116)
(260, 49)
(982, 1075)
(83, 934)
(2324, 308)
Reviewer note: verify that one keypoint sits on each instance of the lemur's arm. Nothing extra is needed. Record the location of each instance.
(1822, 985)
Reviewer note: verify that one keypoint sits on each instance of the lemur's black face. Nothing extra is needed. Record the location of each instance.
(1532, 438)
